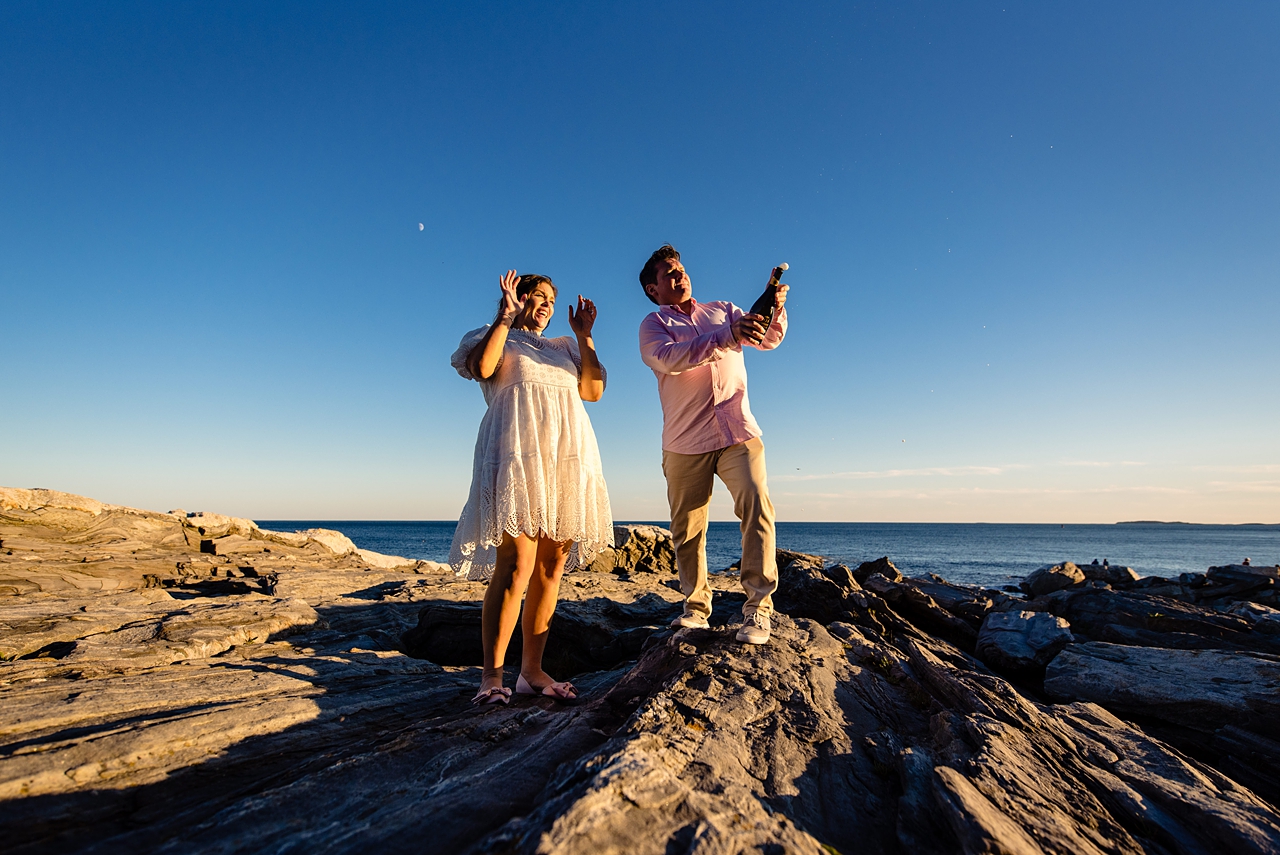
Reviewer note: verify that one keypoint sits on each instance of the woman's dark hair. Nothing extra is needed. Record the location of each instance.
(649, 273)
(529, 281)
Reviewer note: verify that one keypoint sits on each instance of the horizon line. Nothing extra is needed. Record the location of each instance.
(812, 522)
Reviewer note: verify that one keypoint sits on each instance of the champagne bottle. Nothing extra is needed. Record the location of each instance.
(765, 305)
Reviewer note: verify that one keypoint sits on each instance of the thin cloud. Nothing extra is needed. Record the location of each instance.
(1087, 491)
(1245, 486)
(944, 471)
(953, 471)
(1099, 464)
(969, 492)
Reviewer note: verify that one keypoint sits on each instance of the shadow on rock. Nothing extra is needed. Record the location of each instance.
(334, 731)
(587, 635)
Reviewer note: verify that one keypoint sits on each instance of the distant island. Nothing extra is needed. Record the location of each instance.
(1175, 522)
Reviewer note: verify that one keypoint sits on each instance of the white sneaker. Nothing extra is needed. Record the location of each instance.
(755, 629)
(688, 620)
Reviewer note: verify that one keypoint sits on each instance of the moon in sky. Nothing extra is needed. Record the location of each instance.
(421, 227)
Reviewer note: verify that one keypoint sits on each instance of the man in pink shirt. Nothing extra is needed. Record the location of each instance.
(695, 349)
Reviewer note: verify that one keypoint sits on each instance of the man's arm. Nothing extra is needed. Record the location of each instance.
(665, 355)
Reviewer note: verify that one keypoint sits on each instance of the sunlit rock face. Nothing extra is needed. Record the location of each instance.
(190, 682)
(1046, 580)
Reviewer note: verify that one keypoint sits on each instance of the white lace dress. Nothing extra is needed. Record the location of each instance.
(537, 466)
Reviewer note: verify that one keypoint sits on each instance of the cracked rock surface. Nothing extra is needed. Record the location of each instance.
(190, 683)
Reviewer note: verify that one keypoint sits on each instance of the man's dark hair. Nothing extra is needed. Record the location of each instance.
(649, 273)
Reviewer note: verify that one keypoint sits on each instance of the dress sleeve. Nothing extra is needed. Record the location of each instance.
(468, 343)
(570, 344)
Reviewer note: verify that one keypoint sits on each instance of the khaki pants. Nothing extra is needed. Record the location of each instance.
(689, 485)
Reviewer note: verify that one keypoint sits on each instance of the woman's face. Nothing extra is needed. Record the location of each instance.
(539, 306)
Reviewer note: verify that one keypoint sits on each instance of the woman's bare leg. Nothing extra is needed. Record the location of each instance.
(515, 564)
(539, 605)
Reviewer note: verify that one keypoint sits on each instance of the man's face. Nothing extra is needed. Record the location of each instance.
(673, 286)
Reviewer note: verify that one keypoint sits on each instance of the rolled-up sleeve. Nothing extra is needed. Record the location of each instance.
(661, 352)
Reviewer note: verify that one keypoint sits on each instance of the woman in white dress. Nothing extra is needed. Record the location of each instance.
(538, 502)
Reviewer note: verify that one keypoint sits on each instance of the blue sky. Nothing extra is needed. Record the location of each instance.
(1034, 248)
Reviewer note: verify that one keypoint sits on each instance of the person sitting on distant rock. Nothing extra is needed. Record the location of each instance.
(695, 349)
(1245, 562)
(538, 502)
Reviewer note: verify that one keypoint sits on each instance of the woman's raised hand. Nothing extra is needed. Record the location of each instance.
(511, 304)
(584, 319)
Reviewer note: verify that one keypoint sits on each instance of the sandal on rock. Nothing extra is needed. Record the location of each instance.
(559, 691)
(493, 695)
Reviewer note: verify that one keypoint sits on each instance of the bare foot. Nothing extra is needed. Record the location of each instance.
(541, 683)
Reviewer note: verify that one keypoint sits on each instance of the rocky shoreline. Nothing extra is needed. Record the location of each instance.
(190, 682)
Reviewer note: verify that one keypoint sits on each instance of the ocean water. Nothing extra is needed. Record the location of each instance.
(972, 553)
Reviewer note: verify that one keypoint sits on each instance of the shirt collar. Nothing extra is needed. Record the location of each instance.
(675, 310)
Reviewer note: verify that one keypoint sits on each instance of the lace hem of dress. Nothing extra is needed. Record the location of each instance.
(469, 561)
(475, 555)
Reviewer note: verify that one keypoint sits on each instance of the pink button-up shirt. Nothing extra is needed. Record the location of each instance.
(702, 378)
